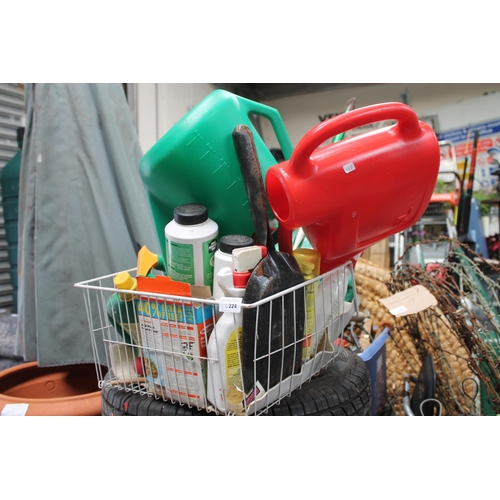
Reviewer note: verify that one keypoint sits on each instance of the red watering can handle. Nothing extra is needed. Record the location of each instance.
(404, 114)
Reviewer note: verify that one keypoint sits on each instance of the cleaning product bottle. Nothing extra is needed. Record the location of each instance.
(191, 242)
(309, 261)
(224, 382)
(147, 261)
(121, 309)
(224, 256)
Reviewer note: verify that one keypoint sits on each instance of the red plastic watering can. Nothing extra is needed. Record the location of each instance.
(348, 195)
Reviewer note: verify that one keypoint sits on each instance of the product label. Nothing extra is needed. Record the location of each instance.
(209, 249)
(233, 358)
(180, 261)
(134, 331)
(254, 393)
(123, 314)
(175, 338)
(307, 346)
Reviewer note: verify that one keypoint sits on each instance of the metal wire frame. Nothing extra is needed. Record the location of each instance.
(467, 291)
(116, 353)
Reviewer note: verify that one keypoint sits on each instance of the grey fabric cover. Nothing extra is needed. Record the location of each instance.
(83, 212)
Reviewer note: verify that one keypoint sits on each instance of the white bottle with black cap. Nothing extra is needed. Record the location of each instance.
(190, 244)
(224, 256)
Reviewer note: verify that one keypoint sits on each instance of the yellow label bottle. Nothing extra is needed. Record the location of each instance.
(224, 383)
(309, 263)
(121, 309)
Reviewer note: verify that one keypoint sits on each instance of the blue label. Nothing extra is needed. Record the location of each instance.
(171, 311)
(460, 134)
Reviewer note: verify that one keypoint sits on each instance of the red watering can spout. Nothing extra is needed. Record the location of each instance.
(350, 194)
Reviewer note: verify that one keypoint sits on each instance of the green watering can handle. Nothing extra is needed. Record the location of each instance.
(275, 118)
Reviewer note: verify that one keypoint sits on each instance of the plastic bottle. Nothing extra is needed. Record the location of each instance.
(224, 256)
(309, 261)
(121, 309)
(147, 261)
(224, 382)
(191, 242)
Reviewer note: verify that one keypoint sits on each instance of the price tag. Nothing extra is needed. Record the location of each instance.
(14, 410)
(349, 168)
(398, 310)
(230, 304)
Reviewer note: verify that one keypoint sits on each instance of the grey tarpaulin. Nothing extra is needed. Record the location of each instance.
(83, 212)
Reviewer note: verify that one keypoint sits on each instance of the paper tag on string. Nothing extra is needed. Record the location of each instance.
(409, 301)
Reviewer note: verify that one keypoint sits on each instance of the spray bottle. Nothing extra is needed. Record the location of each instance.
(147, 261)
(121, 309)
(224, 256)
(224, 381)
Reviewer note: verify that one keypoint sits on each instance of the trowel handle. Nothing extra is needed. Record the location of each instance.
(402, 113)
(276, 121)
(253, 181)
(272, 114)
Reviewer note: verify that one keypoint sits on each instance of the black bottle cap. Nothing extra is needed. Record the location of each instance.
(190, 214)
(229, 242)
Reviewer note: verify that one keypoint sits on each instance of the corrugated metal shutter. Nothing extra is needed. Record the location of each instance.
(11, 118)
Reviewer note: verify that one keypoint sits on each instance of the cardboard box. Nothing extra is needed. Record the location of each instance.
(175, 335)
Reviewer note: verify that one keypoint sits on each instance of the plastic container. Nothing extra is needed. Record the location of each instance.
(375, 358)
(195, 161)
(309, 263)
(147, 261)
(349, 195)
(121, 309)
(224, 381)
(71, 390)
(224, 256)
(191, 243)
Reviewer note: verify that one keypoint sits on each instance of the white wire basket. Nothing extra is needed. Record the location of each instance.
(177, 348)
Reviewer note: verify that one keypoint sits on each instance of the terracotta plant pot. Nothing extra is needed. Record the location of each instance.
(52, 391)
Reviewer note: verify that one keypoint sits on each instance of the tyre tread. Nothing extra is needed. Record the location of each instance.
(341, 389)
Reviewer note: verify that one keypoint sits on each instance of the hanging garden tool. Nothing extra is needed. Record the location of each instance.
(459, 212)
(273, 332)
(464, 227)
